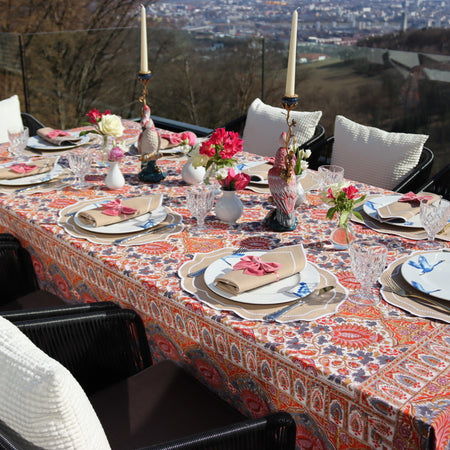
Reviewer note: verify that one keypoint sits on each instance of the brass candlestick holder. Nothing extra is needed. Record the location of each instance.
(289, 103)
(149, 141)
(144, 78)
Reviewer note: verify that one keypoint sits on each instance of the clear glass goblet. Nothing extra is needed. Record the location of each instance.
(434, 216)
(80, 165)
(368, 260)
(200, 200)
(18, 140)
(330, 174)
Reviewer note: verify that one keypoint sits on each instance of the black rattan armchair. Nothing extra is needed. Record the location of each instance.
(321, 151)
(32, 123)
(439, 184)
(18, 280)
(159, 406)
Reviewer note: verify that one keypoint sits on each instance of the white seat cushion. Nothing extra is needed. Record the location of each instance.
(374, 156)
(264, 125)
(40, 400)
(9, 116)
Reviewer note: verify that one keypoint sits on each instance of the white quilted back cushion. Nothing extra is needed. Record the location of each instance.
(9, 116)
(264, 125)
(40, 399)
(374, 156)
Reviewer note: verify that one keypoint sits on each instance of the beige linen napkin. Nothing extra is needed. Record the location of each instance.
(401, 211)
(97, 218)
(291, 258)
(259, 172)
(58, 140)
(42, 166)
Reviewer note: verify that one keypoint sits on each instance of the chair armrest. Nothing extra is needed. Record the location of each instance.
(419, 174)
(56, 311)
(31, 122)
(236, 125)
(439, 184)
(274, 432)
(320, 152)
(98, 348)
(17, 276)
(178, 127)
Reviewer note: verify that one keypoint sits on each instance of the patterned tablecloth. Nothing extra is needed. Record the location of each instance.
(363, 377)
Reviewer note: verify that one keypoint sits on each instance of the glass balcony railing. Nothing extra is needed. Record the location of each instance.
(209, 80)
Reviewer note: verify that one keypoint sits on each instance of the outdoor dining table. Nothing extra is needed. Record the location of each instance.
(358, 377)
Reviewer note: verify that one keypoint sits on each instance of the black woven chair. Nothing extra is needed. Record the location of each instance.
(439, 184)
(139, 404)
(32, 123)
(18, 281)
(321, 151)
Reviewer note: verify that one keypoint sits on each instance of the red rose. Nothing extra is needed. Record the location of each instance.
(350, 191)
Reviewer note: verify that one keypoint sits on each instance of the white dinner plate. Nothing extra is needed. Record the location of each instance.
(139, 223)
(429, 273)
(40, 144)
(281, 291)
(370, 208)
(34, 179)
(179, 149)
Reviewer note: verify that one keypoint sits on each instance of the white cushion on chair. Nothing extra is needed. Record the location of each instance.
(264, 125)
(9, 116)
(40, 400)
(374, 156)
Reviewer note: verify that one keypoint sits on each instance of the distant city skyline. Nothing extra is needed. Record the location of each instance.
(337, 21)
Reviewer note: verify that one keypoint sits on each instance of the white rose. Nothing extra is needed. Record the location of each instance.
(222, 173)
(111, 125)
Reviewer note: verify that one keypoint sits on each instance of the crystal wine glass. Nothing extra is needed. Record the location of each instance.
(18, 139)
(330, 174)
(80, 165)
(367, 260)
(200, 200)
(434, 216)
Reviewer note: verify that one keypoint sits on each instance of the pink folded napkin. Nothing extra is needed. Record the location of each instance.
(404, 208)
(27, 170)
(253, 272)
(118, 210)
(169, 140)
(57, 137)
(411, 197)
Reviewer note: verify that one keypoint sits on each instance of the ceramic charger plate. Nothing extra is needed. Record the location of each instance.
(133, 225)
(370, 208)
(281, 291)
(429, 273)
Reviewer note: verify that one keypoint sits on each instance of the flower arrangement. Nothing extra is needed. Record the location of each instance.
(115, 154)
(106, 124)
(232, 181)
(343, 197)
(218, 151)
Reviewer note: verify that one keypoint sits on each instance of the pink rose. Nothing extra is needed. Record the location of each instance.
(241, 181)
(188, 137)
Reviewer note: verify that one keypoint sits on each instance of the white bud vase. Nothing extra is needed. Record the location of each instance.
(114, 179)
(229, 207)
(191, 174)
(301, 194)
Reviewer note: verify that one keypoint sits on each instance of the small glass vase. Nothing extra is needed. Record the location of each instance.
(114, 179)
(229, 207)
(342, 235)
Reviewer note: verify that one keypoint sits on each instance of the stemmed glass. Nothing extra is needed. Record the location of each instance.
(330, 174)
(434, 216)
(80, 165)
(200, 200)
(367, 260)
(18, 139)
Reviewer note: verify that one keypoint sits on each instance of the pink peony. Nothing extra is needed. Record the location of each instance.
(234, 182)
(115, 154)
(188, 137)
